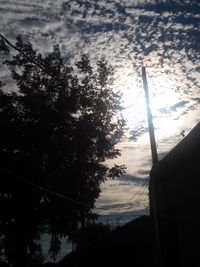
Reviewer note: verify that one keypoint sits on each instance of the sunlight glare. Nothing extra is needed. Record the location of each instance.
(162, 98)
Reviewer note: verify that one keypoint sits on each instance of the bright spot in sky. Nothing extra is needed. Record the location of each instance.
(162, 99)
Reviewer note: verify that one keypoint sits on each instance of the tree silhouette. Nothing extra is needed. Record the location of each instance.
(89, 234)
(57, 129)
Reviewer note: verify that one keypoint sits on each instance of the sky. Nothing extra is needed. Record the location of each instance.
(162, 35)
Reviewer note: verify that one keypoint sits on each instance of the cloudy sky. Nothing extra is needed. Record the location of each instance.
(162, 35)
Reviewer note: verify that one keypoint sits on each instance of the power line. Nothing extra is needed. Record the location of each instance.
(24, 179)
(43, 189)
(138, 193)
(134, 197)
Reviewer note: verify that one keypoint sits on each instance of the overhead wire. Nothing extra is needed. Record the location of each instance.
(66, 198)
(132, 199)
(41, 188)
(138, 193)
(45, 190)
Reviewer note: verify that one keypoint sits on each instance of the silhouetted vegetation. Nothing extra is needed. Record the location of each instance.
(56, 130)
(90, 233)
(132, 242)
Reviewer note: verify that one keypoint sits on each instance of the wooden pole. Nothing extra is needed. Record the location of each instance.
(152, 188)
(150, 119)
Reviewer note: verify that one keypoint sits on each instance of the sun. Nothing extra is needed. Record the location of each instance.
(163, 97)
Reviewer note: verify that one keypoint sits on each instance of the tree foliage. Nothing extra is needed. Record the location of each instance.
(57, 130)
(90, 233)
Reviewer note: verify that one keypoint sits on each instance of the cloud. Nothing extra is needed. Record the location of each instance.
(138, 132)
(125, 32)
(143, 181)
(174, 7)
(139, 23)
(123, 200)
(118, 218)
(165, 37)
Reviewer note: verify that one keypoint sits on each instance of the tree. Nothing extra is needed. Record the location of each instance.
(57, 130)
(89, 234)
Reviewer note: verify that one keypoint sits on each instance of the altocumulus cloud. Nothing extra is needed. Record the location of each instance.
(123, 31)
(165, 35)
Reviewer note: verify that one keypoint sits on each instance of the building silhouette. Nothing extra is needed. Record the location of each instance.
(175, 203)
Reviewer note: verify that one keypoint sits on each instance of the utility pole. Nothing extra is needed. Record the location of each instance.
(152, 188)
(150, 119)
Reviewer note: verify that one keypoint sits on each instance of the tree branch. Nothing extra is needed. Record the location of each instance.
(24, 55)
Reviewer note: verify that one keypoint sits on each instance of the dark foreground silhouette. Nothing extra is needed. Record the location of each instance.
(129, 244)
(56, 129)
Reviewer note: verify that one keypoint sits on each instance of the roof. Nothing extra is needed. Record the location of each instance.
(183, 155)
